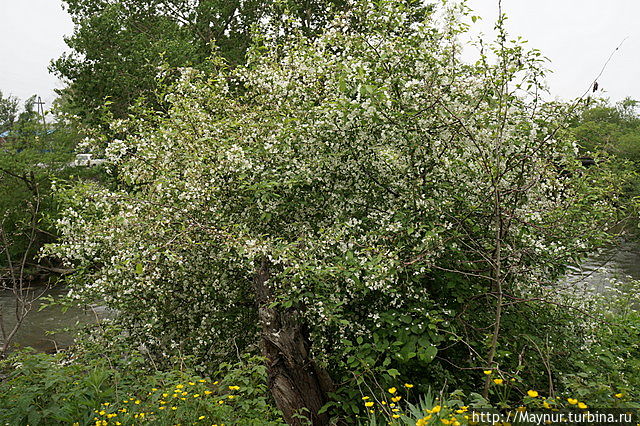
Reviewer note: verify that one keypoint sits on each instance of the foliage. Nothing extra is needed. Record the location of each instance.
(411, 207)
(118, 47)
(8, 112)
(111, 387)
(613, 129)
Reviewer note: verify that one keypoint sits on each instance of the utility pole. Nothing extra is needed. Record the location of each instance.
(40, 105)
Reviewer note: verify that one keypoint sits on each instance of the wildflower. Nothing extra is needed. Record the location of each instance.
(231, 396)
(201, 417)
(368, 404)
(112, 415)
(619, 395)
(106, 404)
(498, 381)
(164, 395)
(161, 408)
(102, 412)
(396, 398)
(196, 395)
(202, 381)
(572, 401)
(234, 387)
(545, 404)
(372, 411)
(137, 402)
(435, 409)
(582, 405)
(408, 385)
(364, 398)
(384, 403)
(521, 409)
(488, 372)
(101, 423)
(532, 393)
(215, 383)
(174, 408)
(123, 410)
(221, 402)
(153, 389)
(192, 383)
(392, 390)
(179, 386)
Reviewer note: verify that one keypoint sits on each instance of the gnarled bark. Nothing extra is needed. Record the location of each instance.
(299, 387)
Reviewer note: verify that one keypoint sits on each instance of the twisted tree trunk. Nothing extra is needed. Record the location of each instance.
(299, 387)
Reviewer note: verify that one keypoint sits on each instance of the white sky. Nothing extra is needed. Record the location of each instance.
(577, 35)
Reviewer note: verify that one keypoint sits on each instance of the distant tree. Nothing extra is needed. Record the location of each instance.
(118, 46)
(8, 112)
(611, 129)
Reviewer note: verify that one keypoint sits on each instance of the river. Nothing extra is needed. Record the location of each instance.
(51, 328)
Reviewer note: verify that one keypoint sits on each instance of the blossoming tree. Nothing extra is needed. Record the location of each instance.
(361, 203)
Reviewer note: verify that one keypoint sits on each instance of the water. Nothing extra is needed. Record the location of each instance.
(44, 330)
(621, 263)
(48, 329)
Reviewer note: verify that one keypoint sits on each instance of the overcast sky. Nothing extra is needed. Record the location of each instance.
(577, 35)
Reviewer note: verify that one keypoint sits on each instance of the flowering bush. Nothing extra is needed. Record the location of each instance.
(363, 203)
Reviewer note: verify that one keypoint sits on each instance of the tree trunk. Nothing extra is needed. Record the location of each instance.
(299, 387)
